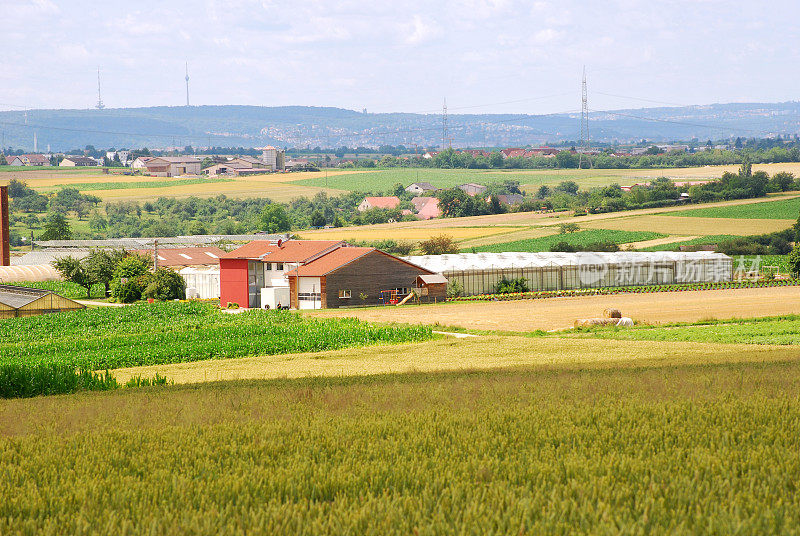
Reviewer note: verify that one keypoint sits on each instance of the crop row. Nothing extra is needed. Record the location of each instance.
(645, 289)
(150, 334)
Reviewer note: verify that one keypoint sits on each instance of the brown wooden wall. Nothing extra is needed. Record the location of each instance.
(370, 274)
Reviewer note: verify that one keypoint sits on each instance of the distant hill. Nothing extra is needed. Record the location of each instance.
(301, 126)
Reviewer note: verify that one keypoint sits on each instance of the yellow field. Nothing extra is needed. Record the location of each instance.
(486, 352)
(369, 233)
(559, 313)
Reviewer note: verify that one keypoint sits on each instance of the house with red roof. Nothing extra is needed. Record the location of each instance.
(386, 202)
(512, 152)
(314, 274)
(427, 207)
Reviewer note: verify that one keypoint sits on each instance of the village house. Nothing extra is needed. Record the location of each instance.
(427, 207)
(420, 188)
(28, 160)
(472, 189)
(173, 166)
(387, 202)
(508, 199)
(78, 161)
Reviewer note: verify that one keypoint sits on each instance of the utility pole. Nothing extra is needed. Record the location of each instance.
(187, 83)
(100, 104)
(584, 142)
(155, 254)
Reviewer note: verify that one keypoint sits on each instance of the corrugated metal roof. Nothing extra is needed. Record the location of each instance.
(196, 256)
(487, 261)
(17, 297)
(134, 243)
(34, 258)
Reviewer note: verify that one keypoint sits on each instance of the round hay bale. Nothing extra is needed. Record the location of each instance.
(612, 313)
(625, 322)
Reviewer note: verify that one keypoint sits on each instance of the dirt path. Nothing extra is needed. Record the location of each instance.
(556, 313)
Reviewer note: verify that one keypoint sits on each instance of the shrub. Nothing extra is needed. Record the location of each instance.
(165, 284)
(439, 245)
(130, 279)
(454, 289)
(508, 286)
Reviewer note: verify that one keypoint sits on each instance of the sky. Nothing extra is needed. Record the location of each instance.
(483, 56)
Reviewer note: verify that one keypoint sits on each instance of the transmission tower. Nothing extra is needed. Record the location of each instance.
(584, 142)
(100, 104)
(444, 123)
(187, 83)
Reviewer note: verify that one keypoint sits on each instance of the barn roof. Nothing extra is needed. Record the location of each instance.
(289, 251)
(16, 297)
(185, 256)
(339, 258)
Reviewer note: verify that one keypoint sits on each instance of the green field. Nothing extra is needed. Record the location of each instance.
(149, 334)
(781, 209)
(165, 183)
(65, 288)
(711, 450)
(766, 330)
(580, 238)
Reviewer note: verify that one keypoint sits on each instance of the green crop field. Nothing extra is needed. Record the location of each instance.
(580, 238)
(767, 330)
(164, 183)
(711, 450)
(149, 334)
(65, 288)
(781, 209)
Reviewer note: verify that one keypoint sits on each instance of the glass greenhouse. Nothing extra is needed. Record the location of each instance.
(479, 273)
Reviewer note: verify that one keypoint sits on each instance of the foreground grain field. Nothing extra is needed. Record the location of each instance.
(474, 353)
(711, 449)
(558, 313)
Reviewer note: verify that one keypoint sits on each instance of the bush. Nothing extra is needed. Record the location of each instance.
(165, 284)
(439, 245)
(510, 286)
(130, 279)
(454, 289)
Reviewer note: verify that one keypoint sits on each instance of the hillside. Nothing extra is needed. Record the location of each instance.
(297, 126)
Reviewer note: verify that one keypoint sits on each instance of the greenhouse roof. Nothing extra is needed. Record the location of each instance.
(498, 261)
(16, 297)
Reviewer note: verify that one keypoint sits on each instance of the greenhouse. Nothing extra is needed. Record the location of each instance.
(479, 273)
(41, 272)
(24, 301)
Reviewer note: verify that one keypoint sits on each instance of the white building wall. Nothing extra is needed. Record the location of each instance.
(310, 287)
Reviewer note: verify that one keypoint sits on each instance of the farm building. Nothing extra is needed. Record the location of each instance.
(479, 273)
(201, 281)
(387, 202)
(419, 188)
(78, 161)
(24, 301)
(314, 274)
(172, 166)
(177, 258)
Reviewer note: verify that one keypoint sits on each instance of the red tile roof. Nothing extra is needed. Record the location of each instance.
(197, 256)
(289, 251)
(338, 258)
(383, 202)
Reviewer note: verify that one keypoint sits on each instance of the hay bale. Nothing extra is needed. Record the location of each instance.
(625, 322)
(593, 322)
(612, 313)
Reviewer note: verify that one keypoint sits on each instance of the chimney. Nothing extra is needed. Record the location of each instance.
(5, 236)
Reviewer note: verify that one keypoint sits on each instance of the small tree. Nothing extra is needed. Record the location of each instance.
(794, 261)
(274, 219)
(76, 271)
(317, 219)
(102, 264)
(56, 228)
(130, 278)
(454, 288)
(165, 284)
(566, 228)
(439, 245)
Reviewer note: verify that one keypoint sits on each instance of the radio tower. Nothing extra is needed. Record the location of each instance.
(100, 104)
(584, 123)
(444, 123)
(187, 83)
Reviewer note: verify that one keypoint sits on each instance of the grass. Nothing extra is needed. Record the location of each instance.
(784, 330)
(780, 209)
(691, 226)
(580, 238)
(149, 334)
(692, 449)
(64, 288)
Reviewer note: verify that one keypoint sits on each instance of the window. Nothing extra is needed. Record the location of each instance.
(279, 266)
(268, 266)
(345, 294)
(308, 296)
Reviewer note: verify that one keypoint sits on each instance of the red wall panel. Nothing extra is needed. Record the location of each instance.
(233, 282)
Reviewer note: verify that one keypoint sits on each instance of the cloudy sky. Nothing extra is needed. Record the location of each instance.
(482, 55)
